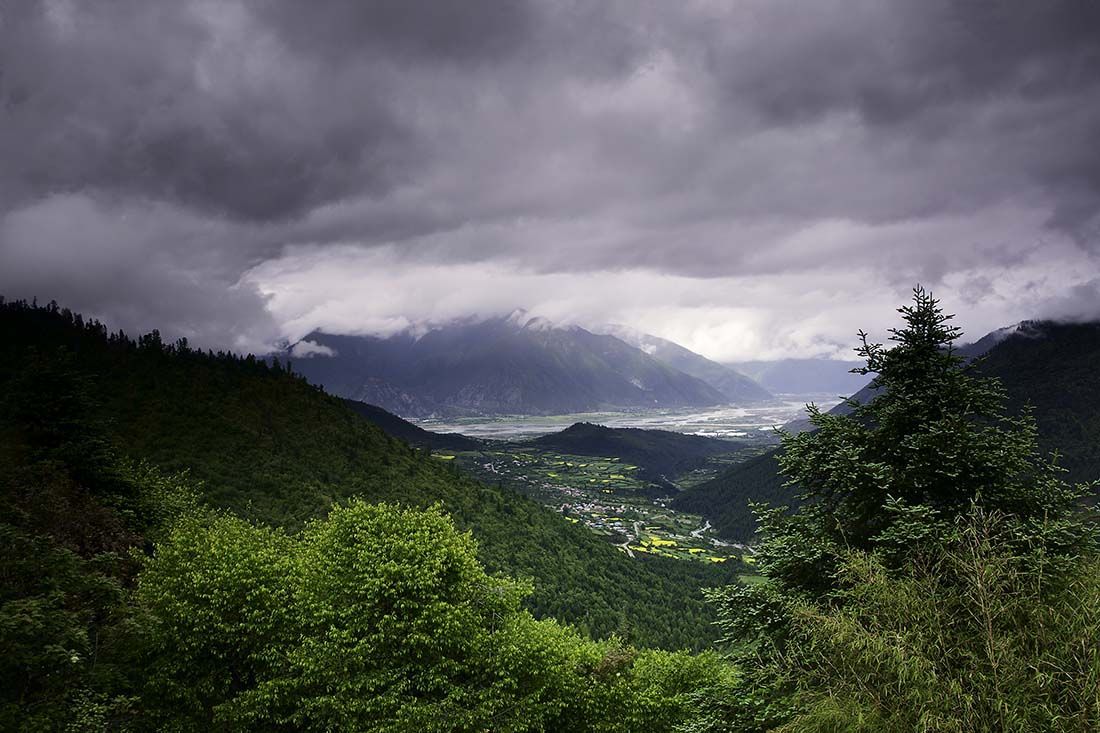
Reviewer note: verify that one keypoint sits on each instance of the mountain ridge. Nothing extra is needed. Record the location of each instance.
(499, 366)
(661, 454)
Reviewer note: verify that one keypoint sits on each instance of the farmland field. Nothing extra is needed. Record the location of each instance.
(605, 494)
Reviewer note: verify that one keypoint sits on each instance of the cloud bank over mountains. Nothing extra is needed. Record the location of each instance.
(753, 179)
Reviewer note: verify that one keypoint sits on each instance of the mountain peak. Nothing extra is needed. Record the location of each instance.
(504, 366)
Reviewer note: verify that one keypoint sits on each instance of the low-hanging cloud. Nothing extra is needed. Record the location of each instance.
(305, 349)
(813, 312)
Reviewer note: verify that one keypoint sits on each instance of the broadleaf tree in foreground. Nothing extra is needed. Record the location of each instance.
(379, 618)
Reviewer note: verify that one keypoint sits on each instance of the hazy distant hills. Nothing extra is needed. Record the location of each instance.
(1054, 367)
(506, 366)
(804, 376)
(738, 388)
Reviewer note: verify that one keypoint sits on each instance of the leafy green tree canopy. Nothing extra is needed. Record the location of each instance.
(379, 618)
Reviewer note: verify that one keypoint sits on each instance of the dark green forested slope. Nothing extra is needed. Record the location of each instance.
(725, 499)
(941, 574)
(270, 447)
(1053, 367)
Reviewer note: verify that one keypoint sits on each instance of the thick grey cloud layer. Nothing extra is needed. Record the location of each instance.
(231, 169)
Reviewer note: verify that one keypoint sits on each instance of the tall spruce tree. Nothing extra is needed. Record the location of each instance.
(896, 472)
(892, 480)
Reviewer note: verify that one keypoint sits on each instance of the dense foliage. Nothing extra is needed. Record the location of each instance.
(379, 618)
(71, 515)
(1045, 367)
(930, 488)
(939, 573)
(269, 447)
(978, 637)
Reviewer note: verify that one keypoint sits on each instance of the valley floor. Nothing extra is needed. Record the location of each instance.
(607, 496)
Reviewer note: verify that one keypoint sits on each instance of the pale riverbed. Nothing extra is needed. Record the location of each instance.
(736, 423)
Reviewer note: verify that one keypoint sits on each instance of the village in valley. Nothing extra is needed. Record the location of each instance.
(607, 496)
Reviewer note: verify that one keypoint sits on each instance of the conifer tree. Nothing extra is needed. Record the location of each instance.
(893, 475)
(892, 480)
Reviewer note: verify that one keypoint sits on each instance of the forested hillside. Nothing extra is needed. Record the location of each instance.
(725, 500)
(127, 603)
(269, 447)
(1055, 368)
(1048, 366)
(942, 573)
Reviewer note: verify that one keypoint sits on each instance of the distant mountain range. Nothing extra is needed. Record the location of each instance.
(1051, 366)
(515, 365)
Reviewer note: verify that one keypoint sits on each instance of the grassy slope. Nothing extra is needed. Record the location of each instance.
(272, 448)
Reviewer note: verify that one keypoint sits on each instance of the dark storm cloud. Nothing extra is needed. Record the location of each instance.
(467, 32)
(894, 62)
(136, 268)
(1021, 78)
(160, 100)
(927, 139)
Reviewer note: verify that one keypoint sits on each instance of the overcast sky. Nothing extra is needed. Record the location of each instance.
(751, 178)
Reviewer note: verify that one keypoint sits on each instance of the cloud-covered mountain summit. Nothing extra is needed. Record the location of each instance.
(504, 366)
